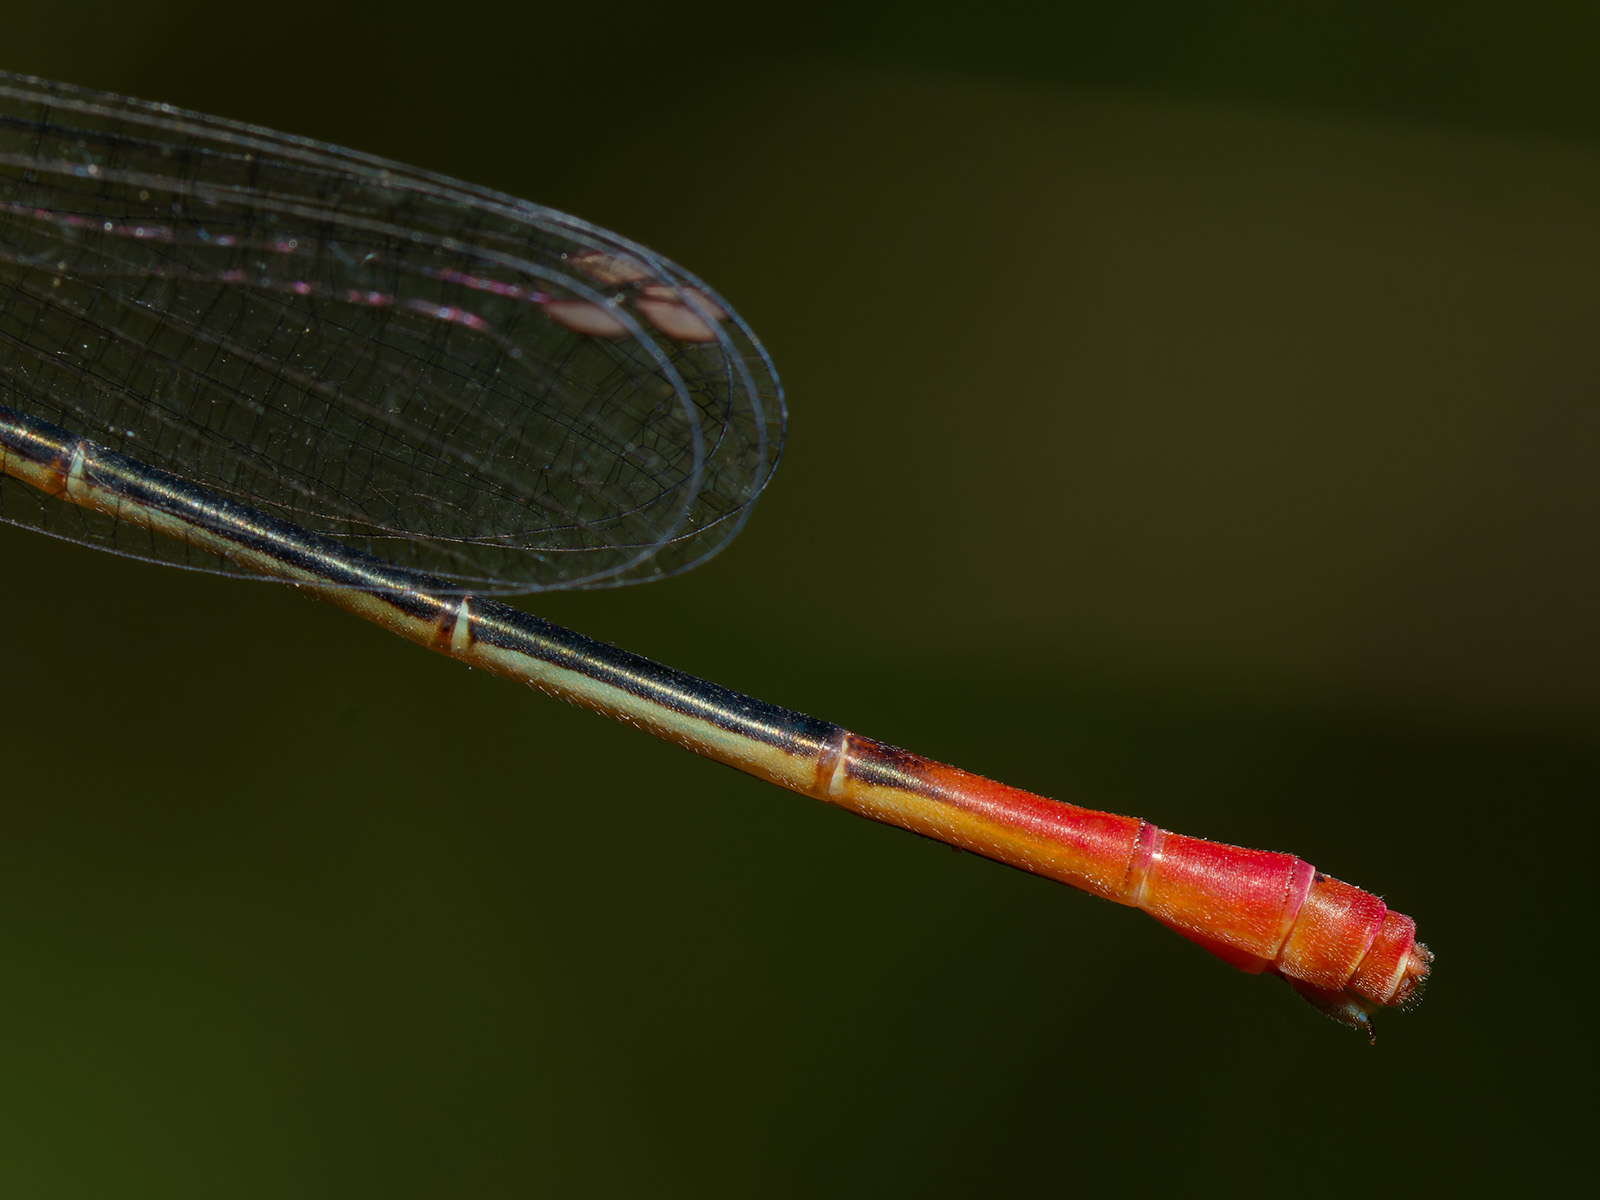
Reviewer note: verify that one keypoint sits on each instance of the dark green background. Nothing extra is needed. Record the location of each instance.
(1194, 414)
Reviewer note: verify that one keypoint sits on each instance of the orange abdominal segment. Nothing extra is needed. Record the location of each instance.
(1338, 946)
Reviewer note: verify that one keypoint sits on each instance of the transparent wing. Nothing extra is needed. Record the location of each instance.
(463, 383)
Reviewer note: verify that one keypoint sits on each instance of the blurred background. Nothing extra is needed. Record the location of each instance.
(1192, 414)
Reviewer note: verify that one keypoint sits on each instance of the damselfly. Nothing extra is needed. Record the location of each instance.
(239, 351)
